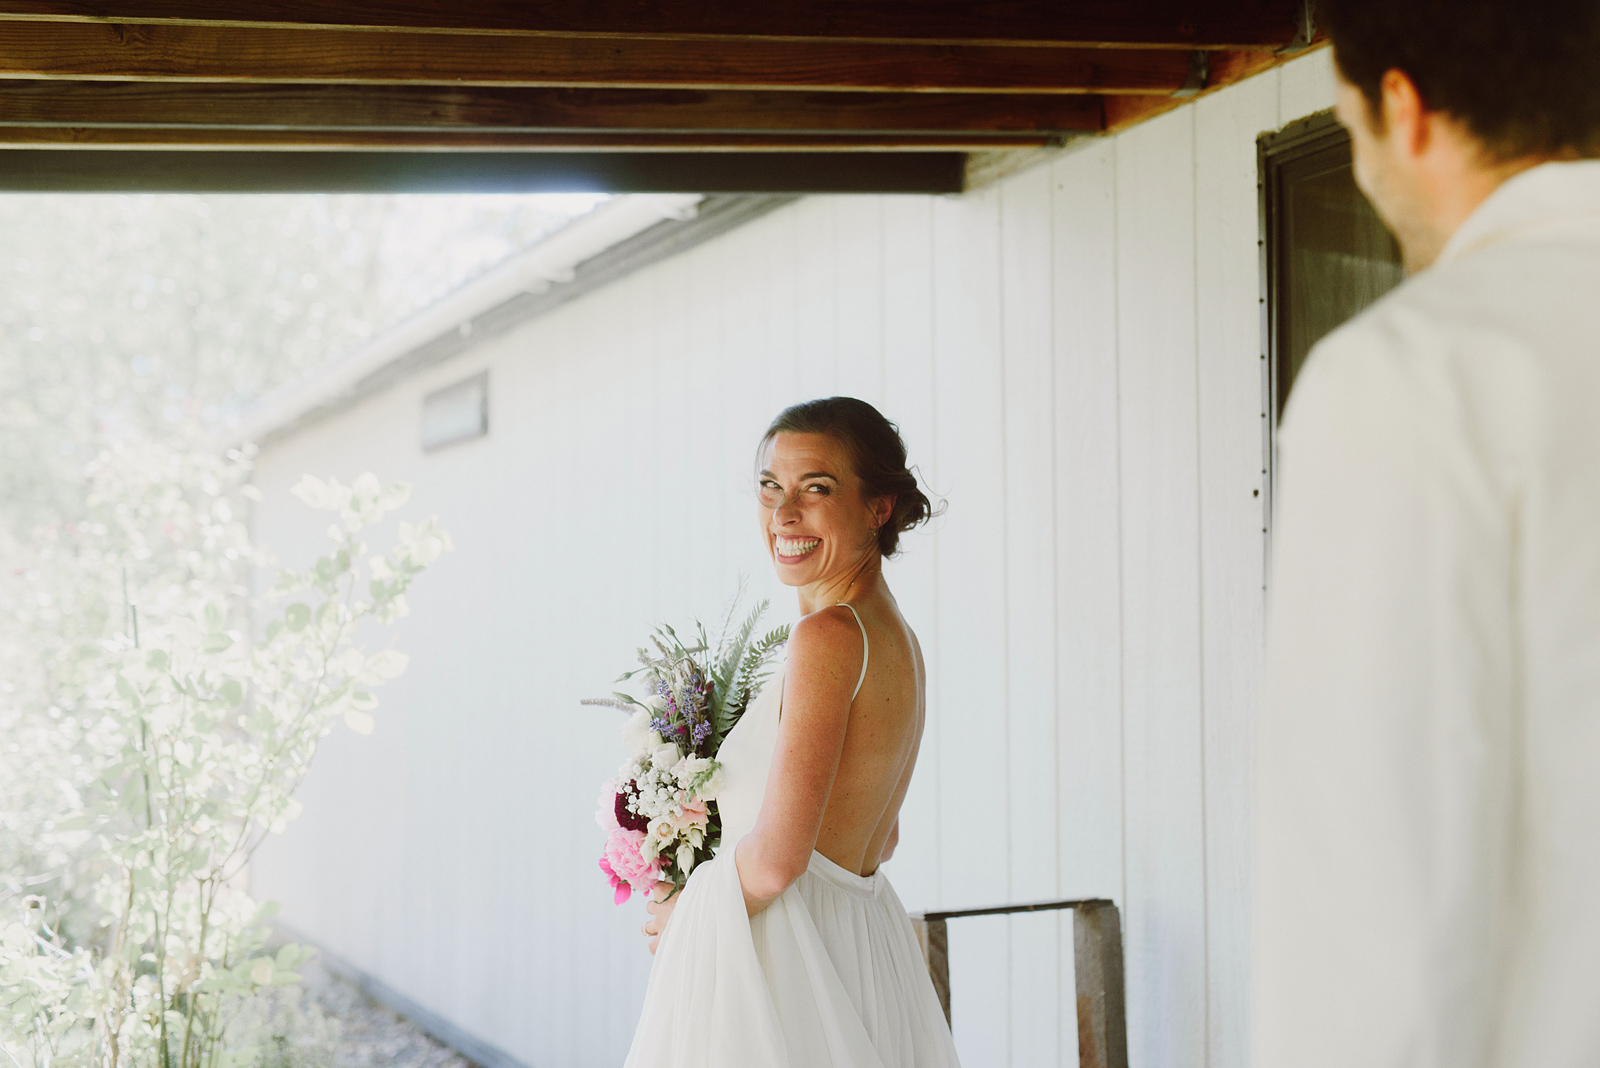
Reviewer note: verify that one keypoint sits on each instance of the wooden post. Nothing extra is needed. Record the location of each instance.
(934, 939)
(1097, 964)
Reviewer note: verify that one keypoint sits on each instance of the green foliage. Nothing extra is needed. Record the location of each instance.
(164, 315)
(154, 744)
(738, 663)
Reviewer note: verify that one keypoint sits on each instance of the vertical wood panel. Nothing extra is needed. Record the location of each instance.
(1088, 545)
(1028, 383)
(1088, 523)
(979, 1004)
(780, 257)
(970, 672)
(1306, 86)
(1232, 546)
(912, 576)
(1166, 969)
(858, 267)
(817, 297)
(632, 361)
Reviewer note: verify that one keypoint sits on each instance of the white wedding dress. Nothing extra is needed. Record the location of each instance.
(827, 976)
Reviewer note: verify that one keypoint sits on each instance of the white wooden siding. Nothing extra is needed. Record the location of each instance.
(1073, 357)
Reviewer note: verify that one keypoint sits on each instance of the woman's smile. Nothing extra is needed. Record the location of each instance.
(790, 549)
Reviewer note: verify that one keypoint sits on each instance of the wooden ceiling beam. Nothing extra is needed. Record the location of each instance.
(1227, 68)
(200, 137)
(428, 108)
(1142, 23)
(120, 170)
(82, 50)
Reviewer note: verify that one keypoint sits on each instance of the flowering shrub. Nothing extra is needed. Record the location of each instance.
(151, 745)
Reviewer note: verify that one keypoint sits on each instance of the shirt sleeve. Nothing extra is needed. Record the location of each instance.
(1386, 748)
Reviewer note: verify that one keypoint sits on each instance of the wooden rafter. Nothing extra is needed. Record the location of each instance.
(251, 54)
(923, 81)
(207, 137)
(445, 172)
(1179, 24)
(420, 108)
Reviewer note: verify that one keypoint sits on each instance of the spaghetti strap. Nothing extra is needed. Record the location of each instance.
(864, 650)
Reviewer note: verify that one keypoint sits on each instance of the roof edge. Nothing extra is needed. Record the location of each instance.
(553, 263)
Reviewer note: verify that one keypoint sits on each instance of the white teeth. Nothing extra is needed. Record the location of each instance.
(797, 546)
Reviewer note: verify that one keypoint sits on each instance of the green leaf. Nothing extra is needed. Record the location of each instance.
(232, 692)
(296, 616)
(157, 660)
(213, 617)
(125, 688)
(216, 643)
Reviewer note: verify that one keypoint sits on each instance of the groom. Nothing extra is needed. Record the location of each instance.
(1427, 889)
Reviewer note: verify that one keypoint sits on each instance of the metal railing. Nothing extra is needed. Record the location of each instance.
(1096, 966)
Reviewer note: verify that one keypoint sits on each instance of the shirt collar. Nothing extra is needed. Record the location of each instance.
(1539, 196)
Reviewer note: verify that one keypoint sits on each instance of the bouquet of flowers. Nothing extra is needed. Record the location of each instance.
(659, 811)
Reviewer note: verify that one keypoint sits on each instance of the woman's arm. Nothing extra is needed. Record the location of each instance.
(824, 661)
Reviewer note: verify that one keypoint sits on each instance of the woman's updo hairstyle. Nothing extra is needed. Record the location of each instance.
(876, 453)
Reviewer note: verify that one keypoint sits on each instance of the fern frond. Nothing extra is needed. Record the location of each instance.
(754, 670)
(730, 656)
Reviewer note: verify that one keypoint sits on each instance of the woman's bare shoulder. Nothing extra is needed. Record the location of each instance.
(825, 635)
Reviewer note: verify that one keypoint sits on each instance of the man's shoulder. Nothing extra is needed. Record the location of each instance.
(1502, 314)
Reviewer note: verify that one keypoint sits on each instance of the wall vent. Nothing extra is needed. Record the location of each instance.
(456, 413)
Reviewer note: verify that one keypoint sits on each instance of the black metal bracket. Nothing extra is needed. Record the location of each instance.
(1199, 75)
(1305, 33)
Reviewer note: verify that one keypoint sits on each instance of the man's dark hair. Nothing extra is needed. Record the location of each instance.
(1523, 76)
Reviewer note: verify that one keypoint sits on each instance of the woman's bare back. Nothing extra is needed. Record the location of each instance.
(880, 743)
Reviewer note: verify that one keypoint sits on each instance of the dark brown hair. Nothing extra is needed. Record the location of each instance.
(877, 454)
(1523, 76)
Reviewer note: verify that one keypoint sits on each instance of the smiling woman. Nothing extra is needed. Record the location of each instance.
(795, 949)
(875, 455)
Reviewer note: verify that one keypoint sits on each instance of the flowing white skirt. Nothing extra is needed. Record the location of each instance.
(827, 976)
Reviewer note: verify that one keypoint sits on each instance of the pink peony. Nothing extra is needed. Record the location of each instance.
(628, 870)
(696, 812)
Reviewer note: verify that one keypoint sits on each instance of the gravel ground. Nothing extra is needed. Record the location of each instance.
(372, 1035)
(327, 1022)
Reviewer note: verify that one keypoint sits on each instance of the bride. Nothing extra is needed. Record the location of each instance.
(790, 948)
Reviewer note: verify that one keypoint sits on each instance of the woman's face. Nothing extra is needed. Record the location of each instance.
(816, 523)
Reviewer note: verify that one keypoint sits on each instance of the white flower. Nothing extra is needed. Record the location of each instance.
(366, 485)
(685, 857)
(713, 785)
(638, 735)
(689, 767)
(666, 755)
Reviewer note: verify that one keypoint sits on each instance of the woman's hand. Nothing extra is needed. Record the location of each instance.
(663, 899)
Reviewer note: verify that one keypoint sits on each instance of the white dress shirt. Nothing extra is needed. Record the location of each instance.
(1427, 809)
